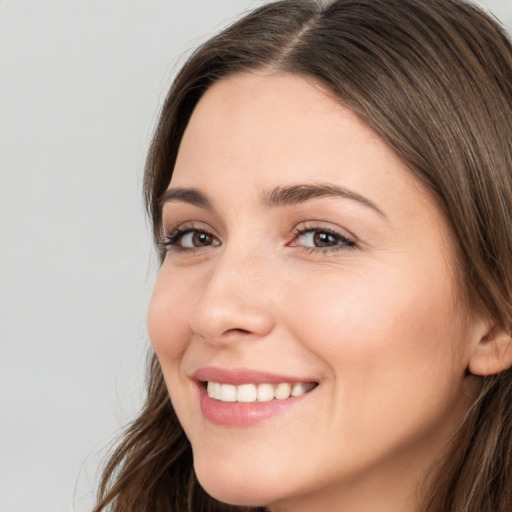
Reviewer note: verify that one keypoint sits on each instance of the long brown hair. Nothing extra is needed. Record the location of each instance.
(434, 79)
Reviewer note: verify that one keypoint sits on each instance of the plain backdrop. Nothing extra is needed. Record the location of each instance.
(81, 82)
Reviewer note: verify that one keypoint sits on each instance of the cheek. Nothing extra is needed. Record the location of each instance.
(168, 314)
(381, 335)
(389, 348)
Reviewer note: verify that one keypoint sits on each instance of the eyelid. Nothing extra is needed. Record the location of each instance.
(170, 227)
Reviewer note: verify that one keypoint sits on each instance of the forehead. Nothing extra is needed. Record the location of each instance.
(277, 129)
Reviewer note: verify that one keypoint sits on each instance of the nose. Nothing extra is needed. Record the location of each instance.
(235, 303)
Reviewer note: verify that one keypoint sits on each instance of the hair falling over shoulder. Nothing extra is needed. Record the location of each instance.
(434, 79)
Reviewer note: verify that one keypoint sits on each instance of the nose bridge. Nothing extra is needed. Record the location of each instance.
(236, 299)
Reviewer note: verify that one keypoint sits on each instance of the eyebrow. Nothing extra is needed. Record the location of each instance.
(296, 194)
(279, 196)
(185, 195)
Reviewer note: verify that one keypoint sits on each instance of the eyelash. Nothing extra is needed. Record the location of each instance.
(171, 241)
(344, 243)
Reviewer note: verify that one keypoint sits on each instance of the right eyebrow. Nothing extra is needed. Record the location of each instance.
(185, 195)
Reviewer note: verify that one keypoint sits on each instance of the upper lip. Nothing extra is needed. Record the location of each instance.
(237, 376)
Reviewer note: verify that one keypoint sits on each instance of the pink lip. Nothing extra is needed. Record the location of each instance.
(237, 376)
(238, 414)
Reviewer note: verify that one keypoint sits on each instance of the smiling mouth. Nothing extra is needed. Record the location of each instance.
(265, 392)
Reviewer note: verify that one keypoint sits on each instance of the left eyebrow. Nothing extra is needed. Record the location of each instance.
(185, 195)
(295, 194)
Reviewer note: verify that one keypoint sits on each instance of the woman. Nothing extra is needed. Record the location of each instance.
(330, 187)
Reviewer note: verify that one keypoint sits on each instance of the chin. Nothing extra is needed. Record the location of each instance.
(236, 487)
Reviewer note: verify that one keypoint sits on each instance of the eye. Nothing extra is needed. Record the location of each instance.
(189, 239)
(321, 239)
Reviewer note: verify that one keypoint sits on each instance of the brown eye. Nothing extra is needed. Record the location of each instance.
(195, 239)
(189, 239)
(312, 239)
(322, 239)
(200, 239)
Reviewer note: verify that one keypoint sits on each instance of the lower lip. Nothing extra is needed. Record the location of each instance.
(241, 414)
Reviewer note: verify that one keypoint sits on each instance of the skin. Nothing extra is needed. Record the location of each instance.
(378, 322)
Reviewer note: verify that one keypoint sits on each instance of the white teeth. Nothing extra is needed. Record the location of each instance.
(213, 390)
(299, 389)
(246, 393)
(282, 391)
(256, 392)
(265, 393)
(228, 393)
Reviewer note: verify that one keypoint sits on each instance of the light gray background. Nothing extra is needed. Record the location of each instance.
(80, 86)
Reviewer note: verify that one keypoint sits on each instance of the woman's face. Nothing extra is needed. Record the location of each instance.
(304, 258)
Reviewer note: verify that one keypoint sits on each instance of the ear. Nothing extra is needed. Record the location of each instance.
(493, 352)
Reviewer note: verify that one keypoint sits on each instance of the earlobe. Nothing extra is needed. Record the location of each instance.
(492, 354)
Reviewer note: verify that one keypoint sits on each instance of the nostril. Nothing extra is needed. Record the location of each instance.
(238, 331)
